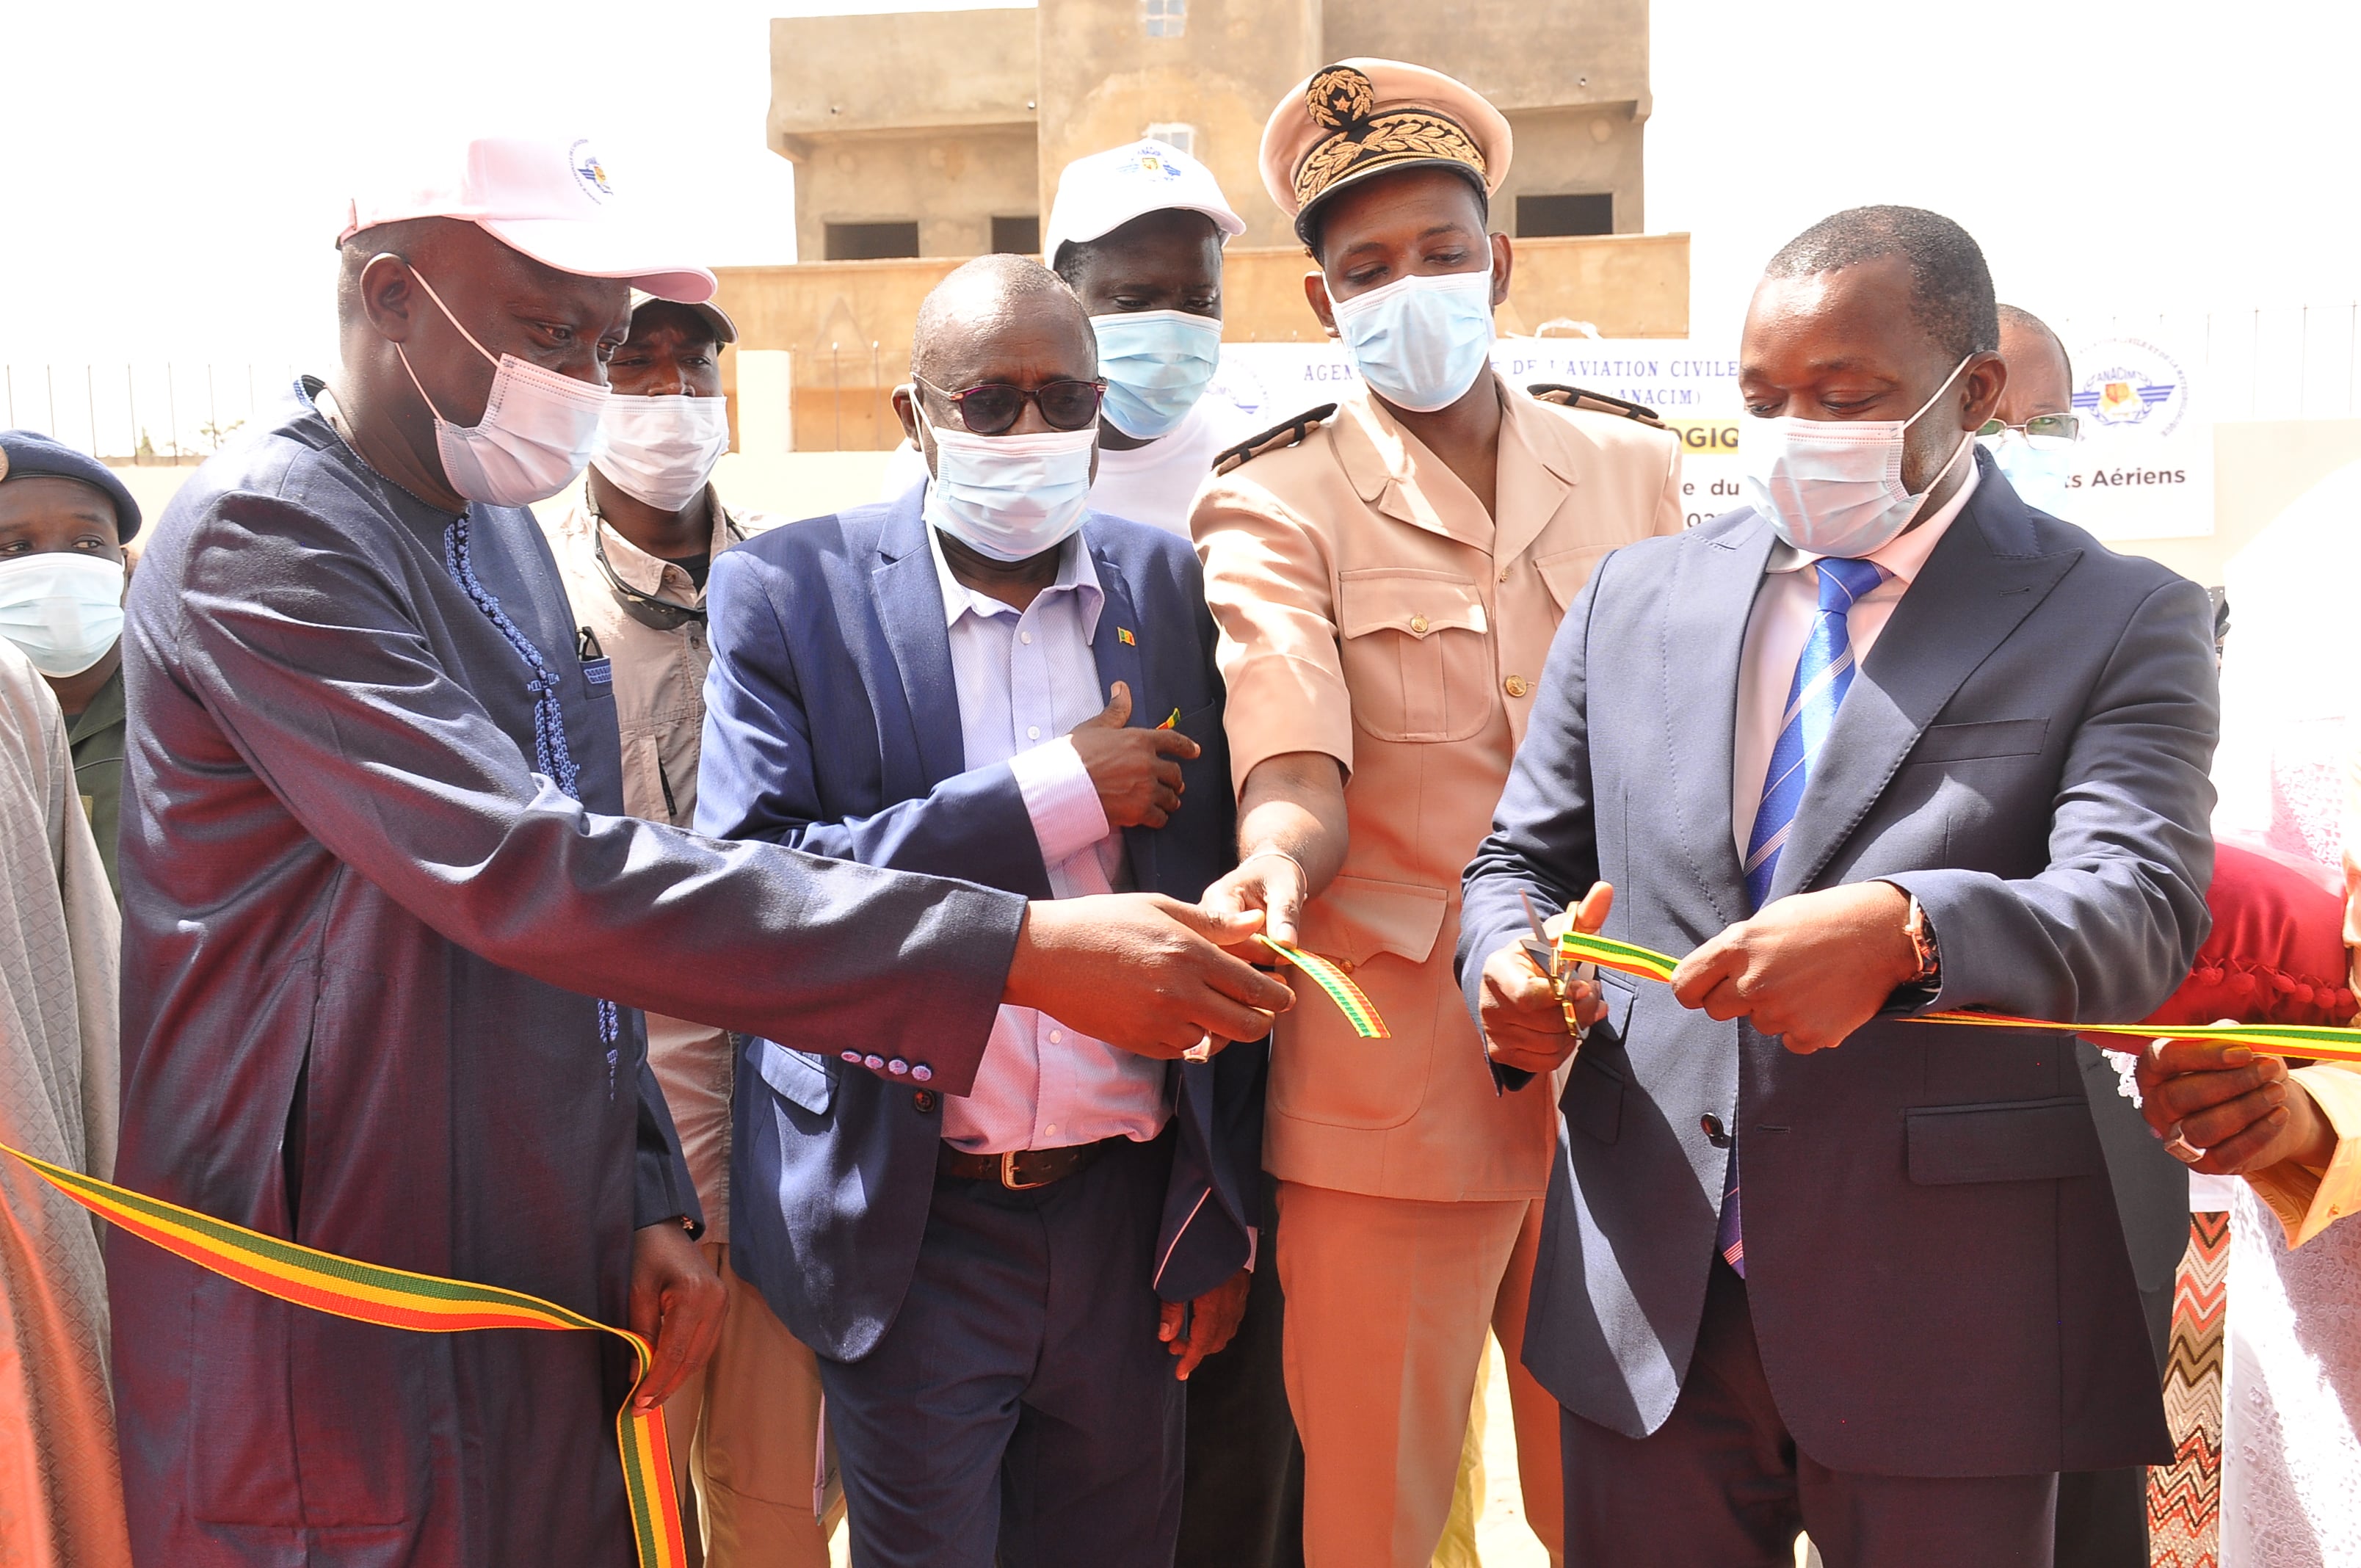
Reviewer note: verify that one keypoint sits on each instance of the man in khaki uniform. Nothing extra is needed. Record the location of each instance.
(634, 546)
(1387, 579)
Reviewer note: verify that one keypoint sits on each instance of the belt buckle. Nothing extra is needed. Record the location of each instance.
(1009, 1174)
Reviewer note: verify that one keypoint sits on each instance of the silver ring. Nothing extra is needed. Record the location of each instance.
(2180, 1148)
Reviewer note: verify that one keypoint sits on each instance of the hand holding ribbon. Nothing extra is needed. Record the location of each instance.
(1529, 1012)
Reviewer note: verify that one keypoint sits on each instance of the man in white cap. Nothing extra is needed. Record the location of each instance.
(1387, 575)
(389, 928)
(1136, 231)
(634, 546)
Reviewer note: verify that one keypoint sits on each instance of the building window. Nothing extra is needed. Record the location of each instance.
(870, 242)
(1586, 213)
(1017, 236)
(1163, 19)
(1174, 135)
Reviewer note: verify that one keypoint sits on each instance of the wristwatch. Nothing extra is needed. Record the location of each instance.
(1921, 932)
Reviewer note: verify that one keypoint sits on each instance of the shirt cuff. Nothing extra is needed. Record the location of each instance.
(2308, 1201)
(1060, 798)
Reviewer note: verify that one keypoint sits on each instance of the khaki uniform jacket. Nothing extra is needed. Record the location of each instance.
(1370, 611)
(659, 686)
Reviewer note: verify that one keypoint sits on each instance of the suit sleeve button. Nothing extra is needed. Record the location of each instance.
(852, 1057)
(872, 1063)
(923, 1073)
(897, 1067)
(923, 1102)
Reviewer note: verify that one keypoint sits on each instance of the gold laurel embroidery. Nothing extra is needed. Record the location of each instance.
(1388, 138)
(1340, 96)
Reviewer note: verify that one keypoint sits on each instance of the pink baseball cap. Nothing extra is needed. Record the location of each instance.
(552, 201)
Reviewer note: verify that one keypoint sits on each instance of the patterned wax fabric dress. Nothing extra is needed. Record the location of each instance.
(2291, 1400)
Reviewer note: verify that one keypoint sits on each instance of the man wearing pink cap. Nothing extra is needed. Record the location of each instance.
(387, 929)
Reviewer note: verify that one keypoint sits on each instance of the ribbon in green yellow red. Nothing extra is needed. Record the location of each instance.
(394, 1297)
(2320, 1041)
(1341, 990)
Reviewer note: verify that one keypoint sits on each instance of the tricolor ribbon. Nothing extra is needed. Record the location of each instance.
(1341, 990)
(2320, 1041)
(395, 1299)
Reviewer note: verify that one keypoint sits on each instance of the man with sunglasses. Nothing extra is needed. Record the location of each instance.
(986, 679)
(634, 546)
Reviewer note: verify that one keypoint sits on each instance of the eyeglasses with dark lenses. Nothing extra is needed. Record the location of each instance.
(992, 408)
(2051, 427)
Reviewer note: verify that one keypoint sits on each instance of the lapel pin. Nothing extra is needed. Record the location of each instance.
(1123, 635)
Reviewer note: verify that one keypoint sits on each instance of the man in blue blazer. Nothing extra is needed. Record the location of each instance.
(983, 679)
(1885, 740)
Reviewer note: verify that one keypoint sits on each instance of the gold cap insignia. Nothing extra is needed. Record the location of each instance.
(1343, 100)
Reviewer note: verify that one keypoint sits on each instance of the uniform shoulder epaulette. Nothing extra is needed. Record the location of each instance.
(1597, 402)
(1271, 440)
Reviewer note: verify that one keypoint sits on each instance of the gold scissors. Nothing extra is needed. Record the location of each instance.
(1542, 948)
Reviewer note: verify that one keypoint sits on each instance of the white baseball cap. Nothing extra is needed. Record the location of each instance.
(551, 200)
(1099, 193)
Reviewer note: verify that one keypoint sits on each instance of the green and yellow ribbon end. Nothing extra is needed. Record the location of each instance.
(1341, 990)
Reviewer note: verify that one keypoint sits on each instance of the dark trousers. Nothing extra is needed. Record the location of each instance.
(1021, 1411)
(1721, 1484)
(1242, 1503)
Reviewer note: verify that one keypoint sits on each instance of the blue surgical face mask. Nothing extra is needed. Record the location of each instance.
(1421, 341)
(1156, 364)
(2035, 470)
(1010, 497)
(61, 609)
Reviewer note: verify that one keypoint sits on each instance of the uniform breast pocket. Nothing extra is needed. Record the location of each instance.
(1417, 653)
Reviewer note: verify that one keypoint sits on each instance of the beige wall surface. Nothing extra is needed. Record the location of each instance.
(842, 75)
(951, 183)
(829, 314)
(1104, 82)
(2260, 467)
(1517, 53)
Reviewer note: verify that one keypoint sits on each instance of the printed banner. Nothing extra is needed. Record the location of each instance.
(2144, 468)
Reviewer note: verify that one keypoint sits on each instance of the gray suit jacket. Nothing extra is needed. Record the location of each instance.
(1935, 1264)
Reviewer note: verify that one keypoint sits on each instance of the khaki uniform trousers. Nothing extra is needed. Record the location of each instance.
(1388, 1303)
(745, 1433)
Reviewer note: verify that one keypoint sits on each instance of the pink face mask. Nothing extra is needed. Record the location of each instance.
(536, 434)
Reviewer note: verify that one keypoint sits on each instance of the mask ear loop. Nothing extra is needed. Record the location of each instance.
(463, 331)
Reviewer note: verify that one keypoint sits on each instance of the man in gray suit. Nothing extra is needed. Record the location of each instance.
(1885, 740)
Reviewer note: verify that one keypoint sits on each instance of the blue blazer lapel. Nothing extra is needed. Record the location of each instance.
(1120, 661)
(1703, 629)
(910, 610)
(1980, 583)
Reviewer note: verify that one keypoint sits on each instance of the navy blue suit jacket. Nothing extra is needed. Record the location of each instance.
(832, 725)
(1935, 1265)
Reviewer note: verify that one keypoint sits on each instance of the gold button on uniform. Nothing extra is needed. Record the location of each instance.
(1418, 624)
(1515, 685)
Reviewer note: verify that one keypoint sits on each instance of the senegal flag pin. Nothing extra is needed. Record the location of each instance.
(1123, 635)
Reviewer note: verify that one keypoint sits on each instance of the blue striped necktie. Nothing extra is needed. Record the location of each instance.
(1823, 675)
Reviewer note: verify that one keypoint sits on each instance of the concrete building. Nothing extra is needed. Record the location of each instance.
(926, 137)
(941, 134)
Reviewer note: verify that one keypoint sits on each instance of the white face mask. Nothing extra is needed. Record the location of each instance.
(1421, 341)
(534, 438)
(1833, 487)
(2037, 468)
(1010, 497)
(62, 608)
(661, 450)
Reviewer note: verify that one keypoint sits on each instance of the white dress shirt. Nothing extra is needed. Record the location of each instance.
(1781, 623)
(1025, 681)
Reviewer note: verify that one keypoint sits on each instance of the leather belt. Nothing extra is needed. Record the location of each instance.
(1021, 1170)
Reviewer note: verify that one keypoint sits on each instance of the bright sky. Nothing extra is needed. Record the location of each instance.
(177, 170)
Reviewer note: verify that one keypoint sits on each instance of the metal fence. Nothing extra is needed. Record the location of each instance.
(2281, 363)
(136, 413)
